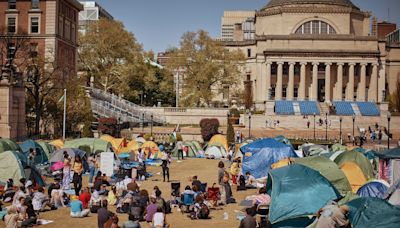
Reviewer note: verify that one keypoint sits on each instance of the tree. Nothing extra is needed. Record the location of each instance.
(208, 66)
(230, 133)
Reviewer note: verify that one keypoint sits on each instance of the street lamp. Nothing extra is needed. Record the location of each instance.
(326, 126)
(142, 121)
(151, 127)
(354, 120)
(340, 127)
(249, 124)
(314, 126)
(389, 115)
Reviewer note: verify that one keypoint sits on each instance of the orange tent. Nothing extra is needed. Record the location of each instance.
(354, 175)
(58, 143)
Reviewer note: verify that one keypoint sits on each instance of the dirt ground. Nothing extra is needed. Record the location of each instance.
(205, 169)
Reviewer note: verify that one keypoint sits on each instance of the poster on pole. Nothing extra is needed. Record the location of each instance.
(107, 163)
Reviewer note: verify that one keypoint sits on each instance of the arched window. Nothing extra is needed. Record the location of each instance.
(315, 27)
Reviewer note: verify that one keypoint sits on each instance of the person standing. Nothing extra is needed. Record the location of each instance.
(221, 182)
(92, 168)
(235, 170)
(66, 172)
(166, 160)
(179, 147)
(77, 178)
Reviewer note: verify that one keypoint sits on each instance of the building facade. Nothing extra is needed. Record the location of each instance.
(237, 25)
(91, 12)
(315, 50)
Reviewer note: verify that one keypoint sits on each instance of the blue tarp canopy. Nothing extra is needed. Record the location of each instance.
(373, 189)
(297, 191)
(258, 156)
(389, 154)
(373, 212)
(40, 158)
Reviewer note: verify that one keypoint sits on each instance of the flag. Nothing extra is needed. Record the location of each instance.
(61, 99)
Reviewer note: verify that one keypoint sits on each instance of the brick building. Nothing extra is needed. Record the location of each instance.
(50, 25)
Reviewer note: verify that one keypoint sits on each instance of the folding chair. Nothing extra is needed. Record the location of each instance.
(262, 213)
(187, 202)
(175, 189)
(213, 194)
(203, 187)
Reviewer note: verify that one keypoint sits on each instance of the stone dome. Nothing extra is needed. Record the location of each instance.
(275, 3)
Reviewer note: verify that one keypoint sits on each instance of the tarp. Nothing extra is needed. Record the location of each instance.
(357, 158)
(89, 145)
(8, 145)
(373, 212)
(373, 189)
(47, 148)
(354, 175)
(389, 154)
(297, 191)
(117, 143)
(284, 140)
(258, 156)
(219, 140)
(58, 143)
(215, 152)
(40, 158)
(11, 167)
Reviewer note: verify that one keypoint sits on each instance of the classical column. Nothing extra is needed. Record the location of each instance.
(268, 80)
(314, 87)
(278, 95)
(350, 85)
(290, 92)
(302, 87)
(328, 82)
(339, 90)
(373, 85)
(362, 84)
(382, 81)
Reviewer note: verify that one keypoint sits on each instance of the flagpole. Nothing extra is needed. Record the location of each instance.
(65, 112)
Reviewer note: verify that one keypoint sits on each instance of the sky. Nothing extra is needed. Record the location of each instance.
(159, 24)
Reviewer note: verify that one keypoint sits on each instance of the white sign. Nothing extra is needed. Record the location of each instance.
(107, 163)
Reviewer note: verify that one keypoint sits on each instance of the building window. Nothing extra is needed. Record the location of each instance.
(35, 4)
(12, 4)
(73, 33)
(67, 32)
(61, 27)
(248, 52)
(11, 24)
(315, 27)
(35, 25)
(296, 92)
(274, 69)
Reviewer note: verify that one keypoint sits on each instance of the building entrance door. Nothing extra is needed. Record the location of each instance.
(321, 90)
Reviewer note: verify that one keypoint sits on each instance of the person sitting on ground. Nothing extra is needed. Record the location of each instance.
(11, 218)
(84, 197)
(57, 199)
(160, 201)
(112, 196)
(77, 210)
(143, 198)
(331, 216)
(188, 190)
(40, 200)
(201, 210)
(9, 191)
(196, 191)
(103, 214)
(20, 204)
(251, 181)
(98, 181)
(262, 198)
(28, 215)
(20, 193)
(133, 186)
(249, 221)
(95, 202)
(151, 209)
(54, 185)
(196, 182)
(159, 219)
(133, 222)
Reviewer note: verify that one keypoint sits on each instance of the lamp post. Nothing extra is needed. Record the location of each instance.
(340, 131)
(142, 121)
(249, 124)
(151, 127)
(389, 115)
(354, 120)
(326, 126)
(314, 126)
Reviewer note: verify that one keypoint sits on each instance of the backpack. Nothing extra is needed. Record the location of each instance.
(242, 184)
(204, 212)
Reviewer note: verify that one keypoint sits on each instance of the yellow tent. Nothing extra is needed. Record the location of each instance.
(354, 175)
(132, 146)
(281, 163)
(117, 143)
(152, 148)
(57, 143)
(219, 140)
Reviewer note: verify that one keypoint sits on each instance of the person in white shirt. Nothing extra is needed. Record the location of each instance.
(159, 219)
(251, 181)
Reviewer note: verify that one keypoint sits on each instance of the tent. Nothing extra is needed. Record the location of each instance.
(219, 140)
(216, 152)
(193, 150)
(373, 188)
(11, 167)
(297, 191)
(367, 153)
(258, 156)
(373, 212)
(284, 140)
(47, 148)
(57, 143)
(40, 158)
(313, 149)
(357, 158)
(151, 150)
(389, 154)
(132, 146)
(338, 147)
(89, 145)
(8, 145)
(354, 175)
(393, 193)
(117, 143)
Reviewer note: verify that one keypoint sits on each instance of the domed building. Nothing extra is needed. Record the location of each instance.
(315, 51)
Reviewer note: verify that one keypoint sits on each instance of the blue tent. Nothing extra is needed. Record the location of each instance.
(258, 156)
(40, 158)
(373, 189)
(297, 191)
(389, 154)
(373, 212)
(58, 155)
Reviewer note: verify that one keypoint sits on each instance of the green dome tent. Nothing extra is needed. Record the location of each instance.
(328, 169)
(357, 158)
(297, 192)
(40, 158)
(8, 145)
(193, 151)
(47, 148)
(338, 147)
(89, 145)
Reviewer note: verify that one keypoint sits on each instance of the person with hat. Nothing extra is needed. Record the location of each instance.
(77, 210)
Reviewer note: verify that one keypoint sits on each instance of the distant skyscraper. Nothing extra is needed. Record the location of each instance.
(237, 25)
(92, 11)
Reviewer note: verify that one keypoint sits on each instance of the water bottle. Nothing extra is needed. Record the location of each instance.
(226, 216)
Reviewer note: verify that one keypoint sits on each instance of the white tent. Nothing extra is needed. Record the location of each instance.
(215, 152)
